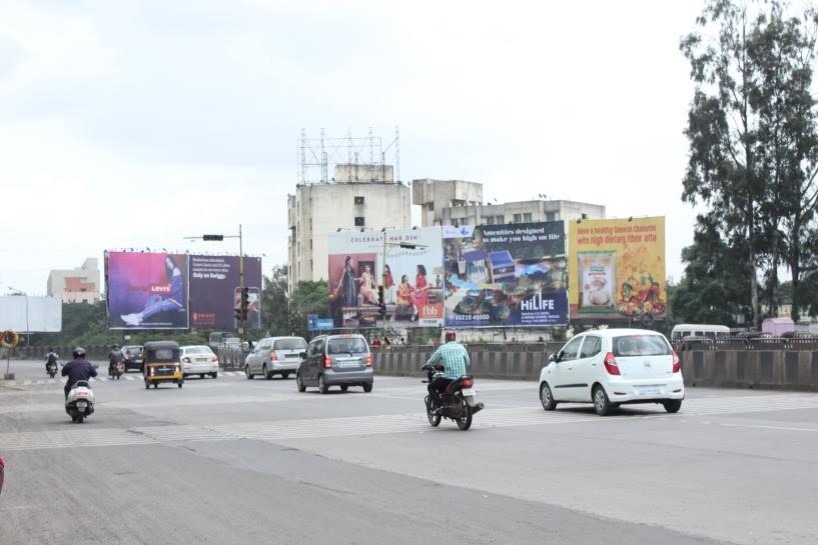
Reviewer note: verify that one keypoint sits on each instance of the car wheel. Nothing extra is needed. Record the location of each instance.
(264, 372)
(300, 384)
(285, 376)
(147, 384)
(322, 385)
(344, 387)
(672, 405)
(546, 398)
(201, 376)
(179, 383)
(368, 387)
(80, 418)
(214, 375)
(247, 372)
(434, 419)
(155, 385)
(602, 405)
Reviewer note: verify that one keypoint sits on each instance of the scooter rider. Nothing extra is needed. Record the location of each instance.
(113, 356)
(77, 369)
(454, 358)
(50, 357)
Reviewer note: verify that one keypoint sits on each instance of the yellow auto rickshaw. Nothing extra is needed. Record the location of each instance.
(162, 363)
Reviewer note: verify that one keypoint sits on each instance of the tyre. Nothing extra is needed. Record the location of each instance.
(179, 384)
(285, 376)
(546, 398)
(322, 385)
(464, 422)
(368, 387)
(247, 372)
(80, 418)
(214, 375)
(434, 419)
(155, 385)
(147, 384)
(265, 374)
(672, 405)
(299, 384)
(602, 405)
(344, 387)
(201, 376)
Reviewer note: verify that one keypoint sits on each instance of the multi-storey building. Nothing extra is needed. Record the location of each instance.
(80, 285)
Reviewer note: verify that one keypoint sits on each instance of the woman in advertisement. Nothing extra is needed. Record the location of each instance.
(388, 285)
(419, 295)
(175, 300)
(404, 309)
(368, 292)
(346, 290)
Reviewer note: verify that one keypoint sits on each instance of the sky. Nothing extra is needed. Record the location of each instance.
(136, 123)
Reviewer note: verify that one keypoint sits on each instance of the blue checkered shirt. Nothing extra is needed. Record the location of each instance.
(454, 357)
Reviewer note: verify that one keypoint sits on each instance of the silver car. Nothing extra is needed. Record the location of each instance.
(274, 356)
(336, 360)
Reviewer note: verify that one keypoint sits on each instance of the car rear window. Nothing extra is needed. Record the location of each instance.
(290, 344)
(354, 345)
(163, 355)
(198, 350)
(640, 345)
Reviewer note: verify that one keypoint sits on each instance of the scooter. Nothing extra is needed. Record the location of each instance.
(80, 401)
(51, 368)
(458, 400)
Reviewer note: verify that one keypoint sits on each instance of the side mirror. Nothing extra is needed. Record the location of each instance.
(553, 358)
(302, 355)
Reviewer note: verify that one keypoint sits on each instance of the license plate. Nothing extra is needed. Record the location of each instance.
(468, 391)
(348, 364)
(82, 404)
(648, 391)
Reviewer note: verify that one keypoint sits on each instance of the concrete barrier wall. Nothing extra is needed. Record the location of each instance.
(756, 368)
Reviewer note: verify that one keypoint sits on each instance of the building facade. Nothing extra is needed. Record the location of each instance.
(359, 197)
(457, 202)
(80, 285)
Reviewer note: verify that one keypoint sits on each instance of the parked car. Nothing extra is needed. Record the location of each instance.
(274, 356)
(797, 334)
(199, 360)
(750, 335)
(336, 360)
(612, 367)
(133, 357)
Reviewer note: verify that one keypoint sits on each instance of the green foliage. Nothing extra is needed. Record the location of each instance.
(307, 298)
(274, 303)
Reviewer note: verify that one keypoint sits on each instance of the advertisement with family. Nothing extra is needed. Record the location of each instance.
(406, 263)
(215, 291)
(617, 269)
(505, 275)
(147, 290)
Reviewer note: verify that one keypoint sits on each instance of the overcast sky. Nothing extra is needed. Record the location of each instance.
(134, 123)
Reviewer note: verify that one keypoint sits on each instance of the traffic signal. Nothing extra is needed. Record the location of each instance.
(245, 302)
(381, 302)
(237, 313)
(212, 237)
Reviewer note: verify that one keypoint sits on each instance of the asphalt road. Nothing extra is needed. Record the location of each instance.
(237, 461)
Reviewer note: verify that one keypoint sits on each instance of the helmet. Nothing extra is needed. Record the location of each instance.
(79, 352)
(50, 349)
(450, 336)
(115, 347)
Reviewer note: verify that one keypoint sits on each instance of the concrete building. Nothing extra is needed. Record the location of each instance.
(359, 196)
(80, 285)
(457, 202)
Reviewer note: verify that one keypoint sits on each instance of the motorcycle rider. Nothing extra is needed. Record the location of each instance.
(454, 358)
(77, 369)
(113, 356)
(50, 357)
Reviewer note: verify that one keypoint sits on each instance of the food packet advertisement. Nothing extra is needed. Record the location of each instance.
(411, 276)
(616, 269)
(146, 290)
(505, 275)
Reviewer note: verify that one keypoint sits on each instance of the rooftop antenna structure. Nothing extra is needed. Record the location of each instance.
(318, 157)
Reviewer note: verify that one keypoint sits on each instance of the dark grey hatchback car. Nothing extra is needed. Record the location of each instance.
(336, 360)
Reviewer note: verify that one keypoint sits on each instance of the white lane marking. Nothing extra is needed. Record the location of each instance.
(776, 428)
(27, 382)
(128, 378)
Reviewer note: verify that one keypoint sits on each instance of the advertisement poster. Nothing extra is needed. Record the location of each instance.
(147, 290)
(215, 291)
(617, 269)
(411, 275)
(505, 275)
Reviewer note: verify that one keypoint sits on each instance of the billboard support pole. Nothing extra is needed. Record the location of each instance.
(241, 284)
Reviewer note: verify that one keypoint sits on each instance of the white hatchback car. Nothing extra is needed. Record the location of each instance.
(199, 360)
(609, 367)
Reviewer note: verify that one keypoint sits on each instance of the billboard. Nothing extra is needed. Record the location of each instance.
(147, 290)
(215, 291)
(413, 279)
(617, 269)
(505, 275)
(23, 313)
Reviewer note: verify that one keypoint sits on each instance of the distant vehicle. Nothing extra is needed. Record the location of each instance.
(218, 338)
(199, 360)
(274, 356)
(750, 335)
(777, 326)
(610, 367)
(133, 357)
(162, 364)
(711, 331)
(797, 334)
(336, 360)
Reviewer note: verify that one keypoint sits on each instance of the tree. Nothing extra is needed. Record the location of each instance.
(274, 303)
(308, 298)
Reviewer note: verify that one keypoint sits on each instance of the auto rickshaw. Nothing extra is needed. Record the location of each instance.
(162, 363)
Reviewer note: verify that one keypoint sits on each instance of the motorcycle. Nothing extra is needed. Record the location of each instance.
(80, 401)
(51, 368)
(118, 369)
(458, 401)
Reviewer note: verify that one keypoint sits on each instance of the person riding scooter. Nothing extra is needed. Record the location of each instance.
(77, 369)
(454, 358)
(114, 356)
(50, 357)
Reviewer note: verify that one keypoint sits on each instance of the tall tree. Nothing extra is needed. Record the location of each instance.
(274, 303)
(308, 298)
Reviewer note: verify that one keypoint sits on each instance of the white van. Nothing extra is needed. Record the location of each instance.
(699, 330)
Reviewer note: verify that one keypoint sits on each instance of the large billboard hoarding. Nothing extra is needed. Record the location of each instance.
(617, 269)
(505, 275)
(215, 291)
(147, 290)
(30, 314)
(408, 263)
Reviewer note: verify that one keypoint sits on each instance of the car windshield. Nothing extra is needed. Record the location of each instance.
(290, 344)
(198, 350)
(353, 345)
(640, 345)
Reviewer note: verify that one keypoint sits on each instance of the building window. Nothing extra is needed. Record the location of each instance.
(518, 218)
(310, 244)
(527, 216)
(430, 206)
(550, 216)
(488, 220)
(360, 221)
(499, 220)
(359, 199)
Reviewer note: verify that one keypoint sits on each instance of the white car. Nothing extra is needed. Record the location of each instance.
(610, 367)
(199, 360)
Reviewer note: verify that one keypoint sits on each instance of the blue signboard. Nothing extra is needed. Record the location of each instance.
(314, 323)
